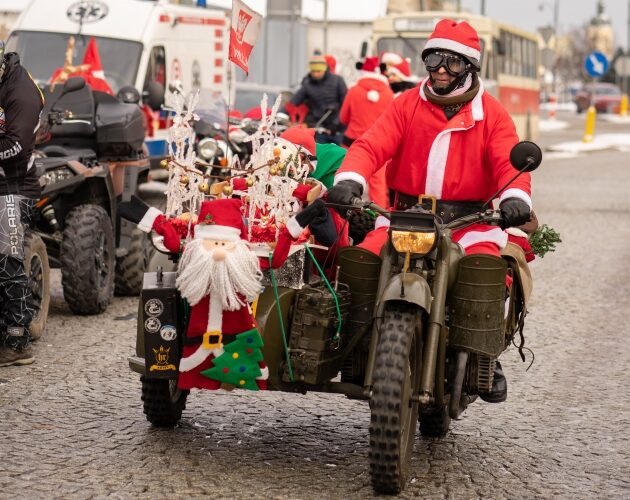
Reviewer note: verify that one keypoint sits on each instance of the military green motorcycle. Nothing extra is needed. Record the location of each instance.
(400, 330)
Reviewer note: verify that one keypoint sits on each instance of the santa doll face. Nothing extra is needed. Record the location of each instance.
(227, 270)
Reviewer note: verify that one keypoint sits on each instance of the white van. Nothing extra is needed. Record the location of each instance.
(139, 42)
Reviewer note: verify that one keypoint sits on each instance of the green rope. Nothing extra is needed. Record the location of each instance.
(280, 318)
(332, 291)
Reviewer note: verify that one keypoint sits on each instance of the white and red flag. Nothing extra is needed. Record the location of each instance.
(243, 33)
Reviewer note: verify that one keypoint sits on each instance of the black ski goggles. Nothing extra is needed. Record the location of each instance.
(454, 65)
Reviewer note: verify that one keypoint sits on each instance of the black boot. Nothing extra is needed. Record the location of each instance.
(498, 394)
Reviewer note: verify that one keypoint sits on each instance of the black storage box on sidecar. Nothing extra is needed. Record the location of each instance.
(120, 129)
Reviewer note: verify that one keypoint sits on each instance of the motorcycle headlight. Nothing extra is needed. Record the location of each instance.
(57, 175)
(415, 242)
(207, 148)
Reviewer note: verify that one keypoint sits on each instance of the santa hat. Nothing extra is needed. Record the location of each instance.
(391, 58)
(402, 70)
(369, 64)
(458, 37)
(331, 61)
(301, 136)
(221, 220)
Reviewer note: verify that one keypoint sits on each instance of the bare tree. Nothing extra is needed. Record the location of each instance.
(570, 62)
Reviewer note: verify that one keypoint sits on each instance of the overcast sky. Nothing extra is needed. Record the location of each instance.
(526, 13)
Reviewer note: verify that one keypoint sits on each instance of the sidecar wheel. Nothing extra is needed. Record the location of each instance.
(435, 422)
(163, 401)
(394, 414)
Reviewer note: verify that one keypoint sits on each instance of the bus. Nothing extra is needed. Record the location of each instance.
(509, 58)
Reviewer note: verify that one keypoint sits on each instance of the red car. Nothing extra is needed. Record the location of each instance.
(604, 96)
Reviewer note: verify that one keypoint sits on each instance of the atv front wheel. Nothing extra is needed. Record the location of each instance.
(87, 259)
(37, 270)
(131, 267)
(163, 401)
(394, 413)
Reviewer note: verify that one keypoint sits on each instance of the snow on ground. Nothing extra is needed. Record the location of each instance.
(603, 141)
(560, 106)
(551, 125)
(622, 120)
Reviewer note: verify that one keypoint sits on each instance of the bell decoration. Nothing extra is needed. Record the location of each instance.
(228, 190)
(249, 182)
(273, 171)
(204, 187)
(164, 163)
(184, 180)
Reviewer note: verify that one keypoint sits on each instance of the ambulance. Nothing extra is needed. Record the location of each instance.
(146, 44)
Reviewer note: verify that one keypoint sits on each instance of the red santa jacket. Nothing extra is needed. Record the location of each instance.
(465, 158)
(364, 103)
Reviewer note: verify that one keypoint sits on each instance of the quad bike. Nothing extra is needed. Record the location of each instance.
(94, 157)
(402, 329)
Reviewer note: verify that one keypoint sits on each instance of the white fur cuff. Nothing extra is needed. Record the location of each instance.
(146, 223)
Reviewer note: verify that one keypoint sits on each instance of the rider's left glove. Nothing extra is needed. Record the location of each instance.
(514, 212)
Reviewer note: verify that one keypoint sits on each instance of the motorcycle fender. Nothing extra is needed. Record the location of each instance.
(408, 287)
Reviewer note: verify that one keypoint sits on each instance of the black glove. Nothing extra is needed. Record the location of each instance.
(514, 212)
(319, 220)
(344, 193)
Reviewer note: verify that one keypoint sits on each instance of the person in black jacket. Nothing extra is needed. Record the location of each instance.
(21, 103)
(324, 93)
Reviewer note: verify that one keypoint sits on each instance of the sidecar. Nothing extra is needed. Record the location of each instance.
(316, 334)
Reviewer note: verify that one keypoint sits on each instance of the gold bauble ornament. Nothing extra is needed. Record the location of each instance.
(184, 180)
(164, 163)
(228, 190)
(204, 187)
(273, 171)
(249, 182)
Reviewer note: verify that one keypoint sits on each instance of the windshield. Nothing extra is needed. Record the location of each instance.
(212, 108)
(42, 53)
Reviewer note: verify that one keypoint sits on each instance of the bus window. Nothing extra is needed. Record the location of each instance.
(408, 48)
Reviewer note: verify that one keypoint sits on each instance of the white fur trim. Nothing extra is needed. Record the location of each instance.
(215, 313)
(216, 232)
(265, 373)
(477, 103)
(515, 231)
(198, 357)
(400, 74)
(373, 95)
(381, 222)
(146, 223)
(373, 76)
(516, 193)
(391, 58)
(294, 228)
(496, 235)
(436, 164)
(452, 45)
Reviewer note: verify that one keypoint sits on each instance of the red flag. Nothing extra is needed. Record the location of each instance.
(95, 77)
(243, 33)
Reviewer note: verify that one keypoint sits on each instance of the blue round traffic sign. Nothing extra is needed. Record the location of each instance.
(596, 64)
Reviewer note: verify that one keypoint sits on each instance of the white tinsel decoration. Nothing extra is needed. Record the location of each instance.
(181, 136)
(271, 199)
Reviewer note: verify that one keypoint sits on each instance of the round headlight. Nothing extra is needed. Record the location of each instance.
(207, 148)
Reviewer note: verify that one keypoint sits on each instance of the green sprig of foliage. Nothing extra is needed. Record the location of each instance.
(544, 240)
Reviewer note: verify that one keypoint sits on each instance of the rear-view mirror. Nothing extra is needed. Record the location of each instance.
(153, 95)
(525, 156)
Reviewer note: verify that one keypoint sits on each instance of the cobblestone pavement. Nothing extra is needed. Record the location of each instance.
(71, 425)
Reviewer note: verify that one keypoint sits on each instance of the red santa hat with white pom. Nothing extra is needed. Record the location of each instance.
(221, 220)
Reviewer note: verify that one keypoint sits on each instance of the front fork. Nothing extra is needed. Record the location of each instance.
(434, 347)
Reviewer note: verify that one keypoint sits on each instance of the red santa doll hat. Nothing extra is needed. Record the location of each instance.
(458, 37)
(301, 136)
(221, 220)
(369, 65)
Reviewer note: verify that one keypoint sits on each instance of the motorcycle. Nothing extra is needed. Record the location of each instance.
(93, 156)
(398, 327)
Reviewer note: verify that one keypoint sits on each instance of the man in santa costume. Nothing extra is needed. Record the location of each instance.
(451, 140)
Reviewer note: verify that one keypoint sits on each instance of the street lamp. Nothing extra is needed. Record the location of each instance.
(556, 5)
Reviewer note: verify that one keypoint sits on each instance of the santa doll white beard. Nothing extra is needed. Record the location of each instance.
(200, 275)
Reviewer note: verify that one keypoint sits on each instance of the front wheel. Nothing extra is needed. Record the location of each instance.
(394, 413)
(87, 259)
(163, 401)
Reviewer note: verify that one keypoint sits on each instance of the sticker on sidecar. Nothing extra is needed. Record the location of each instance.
(168, 332)
(152, 325)
(154, 307)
